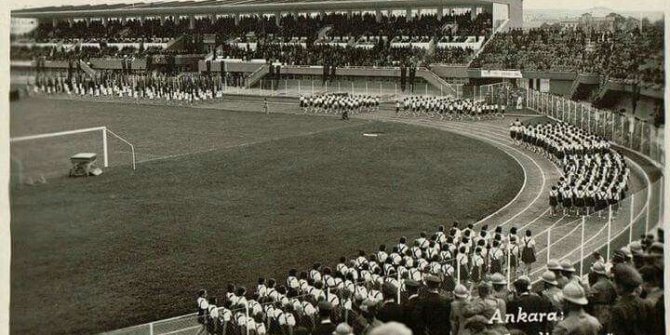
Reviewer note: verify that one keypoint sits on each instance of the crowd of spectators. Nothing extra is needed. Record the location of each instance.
(272, 39)
(416, 283)
(629, 52)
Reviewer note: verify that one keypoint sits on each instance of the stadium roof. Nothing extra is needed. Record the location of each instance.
(206, 7)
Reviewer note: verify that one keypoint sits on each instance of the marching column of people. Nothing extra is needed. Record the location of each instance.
(448, 107)
(188, 88)
(343, 104)
(594, 176)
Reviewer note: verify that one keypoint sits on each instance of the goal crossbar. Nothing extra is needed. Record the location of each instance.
(102, 129)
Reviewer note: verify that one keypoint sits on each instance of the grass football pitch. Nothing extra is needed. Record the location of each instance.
(224, 196)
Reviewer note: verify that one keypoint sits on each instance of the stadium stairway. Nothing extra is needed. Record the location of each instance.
(89, 71)
(256, 76)
(436, 81)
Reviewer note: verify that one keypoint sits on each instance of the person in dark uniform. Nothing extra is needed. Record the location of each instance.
(389, 310)
(576, 320)
(408, 305)
(631, 315)
(432, 310)
(324, 325)
(601, 295)
(528, 303)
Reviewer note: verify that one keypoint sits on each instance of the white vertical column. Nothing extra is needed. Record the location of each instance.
(609, 230)
(632, 211)
(548, 244)
(581, 249)
(104, 147)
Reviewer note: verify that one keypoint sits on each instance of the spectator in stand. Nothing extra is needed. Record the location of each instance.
(601, 295)
(324, 326)
(576, 321)
(432, 309)
(631, 315)
(528, 302)
(458, 309)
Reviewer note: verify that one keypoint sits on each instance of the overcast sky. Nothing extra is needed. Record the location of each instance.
(646, 5)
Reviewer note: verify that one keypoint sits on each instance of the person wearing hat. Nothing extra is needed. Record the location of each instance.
(554, 266)
(527, 302)
(499, 286)
(568, 272)
(343, 329)
(489, 307)
(389, 310)
(408, 305)
(576, 320)
(550, 290)
(431, 312)
(652, 283)
(654, 254)
(366, 320)
(324, 325)
(458, 309)
(631, 315)
(601, 294)
(391, 328)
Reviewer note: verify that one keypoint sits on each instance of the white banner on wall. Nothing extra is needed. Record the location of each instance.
(500, 74)
(544, 85)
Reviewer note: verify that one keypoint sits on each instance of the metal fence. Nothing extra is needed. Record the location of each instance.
(626, 130)
(297, 87)
(576, 238)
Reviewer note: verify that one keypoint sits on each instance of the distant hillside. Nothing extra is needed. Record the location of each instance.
(549, 15)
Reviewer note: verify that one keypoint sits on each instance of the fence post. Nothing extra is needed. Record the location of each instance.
(399, 287)
(581, 249)
(104, 147)
(426, 88)
(661, 200)
(589, 120)
(632, 211)
(352, 87)
(366, 87)
(458, 269)
(609, 230)
(509, 264)
(151, 328)
(380, 88)
(299, 91)
(563, 109)
(312, 86)
(548, 243)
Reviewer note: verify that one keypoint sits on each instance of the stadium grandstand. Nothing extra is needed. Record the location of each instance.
(548, 141)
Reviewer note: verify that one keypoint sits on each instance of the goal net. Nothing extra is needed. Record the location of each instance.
(37, 158)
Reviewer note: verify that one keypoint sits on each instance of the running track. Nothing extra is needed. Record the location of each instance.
(528, 210)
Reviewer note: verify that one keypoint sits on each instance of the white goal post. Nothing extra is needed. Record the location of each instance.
(103, 129)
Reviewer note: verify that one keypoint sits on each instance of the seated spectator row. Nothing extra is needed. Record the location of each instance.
(289, 26)
(626, 53)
